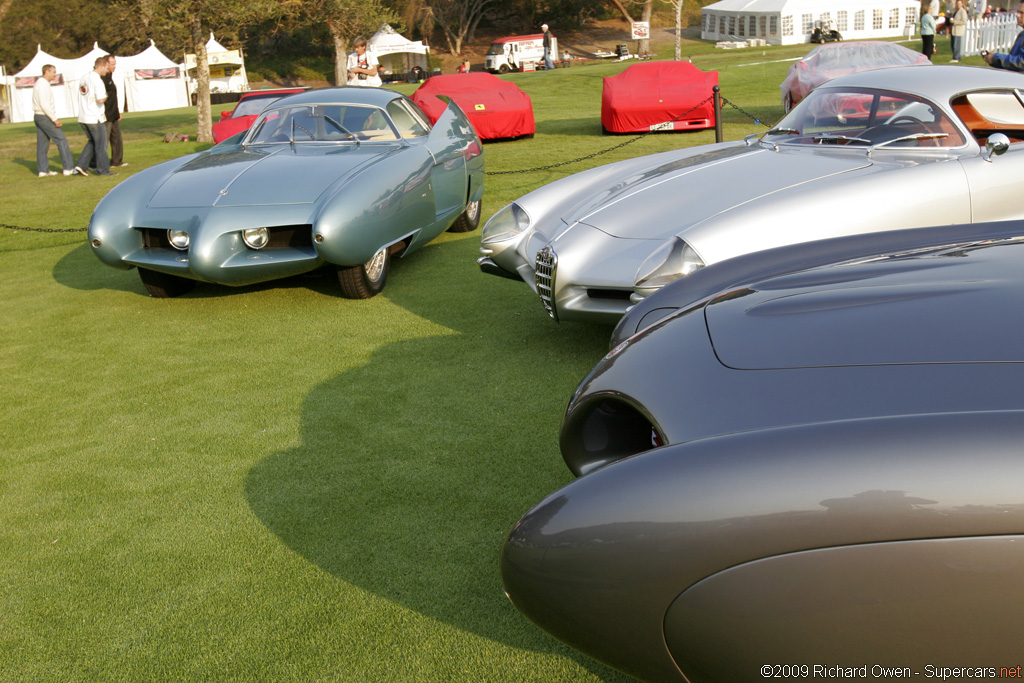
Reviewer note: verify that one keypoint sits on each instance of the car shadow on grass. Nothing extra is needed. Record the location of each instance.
(413, 467)
(79, 269)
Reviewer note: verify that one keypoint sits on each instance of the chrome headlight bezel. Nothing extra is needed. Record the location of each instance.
(669, 262)
(505, 225)
(256, 238)
(178, 239)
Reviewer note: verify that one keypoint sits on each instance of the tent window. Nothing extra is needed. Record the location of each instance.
(787, 26)
(911, 16)
(877, 23)
(808, 23)
(773, 26)
(743, 27)
(858, 20)
(894, 17)
(841, 24)
(762, 26)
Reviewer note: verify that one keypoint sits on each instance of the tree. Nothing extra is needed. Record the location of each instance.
(458, 19)
(647, 8)
(345, 20)
(677, 5)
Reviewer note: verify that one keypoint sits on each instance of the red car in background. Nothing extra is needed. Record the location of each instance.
(245, 112)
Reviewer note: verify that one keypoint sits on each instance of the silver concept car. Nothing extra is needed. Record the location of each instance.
(347, 177)
(878, 150)
(805, 472)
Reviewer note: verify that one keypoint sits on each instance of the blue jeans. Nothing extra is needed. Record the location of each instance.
(96, 144)
(548, 64)
(955, 43)
(46, 131)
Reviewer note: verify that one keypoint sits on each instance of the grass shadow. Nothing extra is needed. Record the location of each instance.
(381, 493)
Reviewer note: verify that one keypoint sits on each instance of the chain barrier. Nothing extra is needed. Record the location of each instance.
(746, 113)
(17, 228)
(604, 151)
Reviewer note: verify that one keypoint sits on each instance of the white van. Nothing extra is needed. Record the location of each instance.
(509, 54)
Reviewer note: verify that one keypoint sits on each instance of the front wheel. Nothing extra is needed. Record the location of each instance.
(504, 69)
(469, 220)
(164, 286)
(367, 279)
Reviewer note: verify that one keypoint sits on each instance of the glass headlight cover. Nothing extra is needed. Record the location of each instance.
(256, 238)
(669, 262)
(506, 224)
(178, 239)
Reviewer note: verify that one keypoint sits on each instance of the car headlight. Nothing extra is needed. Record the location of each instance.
(256, 238)
(506, 224)
(178, 239)
(669, 262)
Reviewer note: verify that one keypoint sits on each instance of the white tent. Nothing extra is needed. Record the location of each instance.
(64, 89)
(145, 82)
(227, 68)
(396, 53)
(789, 22)
(150, 81)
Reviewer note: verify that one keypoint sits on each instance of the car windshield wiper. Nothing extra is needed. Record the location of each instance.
(840, 138)
(342, 128)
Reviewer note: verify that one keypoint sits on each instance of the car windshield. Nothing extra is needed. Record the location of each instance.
(254, 104)
(864, 117)
(322, 123)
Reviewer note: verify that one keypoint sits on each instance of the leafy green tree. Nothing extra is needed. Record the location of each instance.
(646, 8)
(345, 20)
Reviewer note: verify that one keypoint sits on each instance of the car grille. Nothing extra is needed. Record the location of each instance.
(155, 238)
(544, 277)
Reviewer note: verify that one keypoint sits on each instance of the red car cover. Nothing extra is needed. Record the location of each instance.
(496, 108)
(650, 95)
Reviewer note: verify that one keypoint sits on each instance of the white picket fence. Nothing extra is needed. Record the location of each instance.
(994, 35)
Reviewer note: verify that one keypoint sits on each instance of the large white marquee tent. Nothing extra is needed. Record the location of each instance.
(789, 22)
(145, 82)
(396, 53)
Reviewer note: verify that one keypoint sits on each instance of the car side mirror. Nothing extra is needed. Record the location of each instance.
(226, 114)
(996, 144)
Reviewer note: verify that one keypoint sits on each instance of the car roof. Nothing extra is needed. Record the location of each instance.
(376, 97)
(939, 83)
(254, 94)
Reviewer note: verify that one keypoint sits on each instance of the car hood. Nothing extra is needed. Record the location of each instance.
(737, 175)
(264, 175)
(946, 305)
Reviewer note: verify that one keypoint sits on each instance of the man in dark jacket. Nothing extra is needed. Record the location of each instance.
(113, 116)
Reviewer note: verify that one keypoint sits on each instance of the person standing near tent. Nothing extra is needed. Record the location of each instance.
(548, 64)
(362, 66)
(113, 115)
(928, 30)
(48, 126)
(92, 95)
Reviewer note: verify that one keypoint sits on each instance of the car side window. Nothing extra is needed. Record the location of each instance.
(985, 113)
(410, 124)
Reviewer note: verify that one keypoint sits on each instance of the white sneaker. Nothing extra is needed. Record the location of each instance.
(43, 174)
(69, 172)
(81, 171)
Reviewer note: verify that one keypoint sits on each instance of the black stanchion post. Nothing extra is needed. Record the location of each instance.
(717, 104)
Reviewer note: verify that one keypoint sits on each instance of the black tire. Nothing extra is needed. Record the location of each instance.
(469, 220)
(504, 69)
(164, 286)
(367, 279)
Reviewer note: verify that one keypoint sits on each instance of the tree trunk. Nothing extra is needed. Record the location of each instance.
(645, 44)
(340, 54)
(204, 117)
(622, 8)
(679, 30)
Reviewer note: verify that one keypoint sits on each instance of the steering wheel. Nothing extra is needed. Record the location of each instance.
(905, 120)
(295, 125)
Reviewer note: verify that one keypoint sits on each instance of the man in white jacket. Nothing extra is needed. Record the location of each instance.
(48, 126)
(92, 116)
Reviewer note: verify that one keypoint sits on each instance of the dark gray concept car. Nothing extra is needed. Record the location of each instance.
(805, 463)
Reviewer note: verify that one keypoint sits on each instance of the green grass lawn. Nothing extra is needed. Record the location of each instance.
(273, 483)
